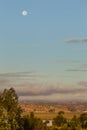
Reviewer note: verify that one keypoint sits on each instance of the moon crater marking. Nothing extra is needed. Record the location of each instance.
(24, 13)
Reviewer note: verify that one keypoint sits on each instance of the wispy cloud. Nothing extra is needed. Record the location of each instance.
(4, 81)
(64, 61)
(16, 74)
(52, 92)
(38, 89)
(48, 90)
(20, 75)
(76, 40)
(83, 83)
(81, 68)
(17, 79)
(74, 70)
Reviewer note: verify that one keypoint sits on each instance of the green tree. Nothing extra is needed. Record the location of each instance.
(59, 120)
(9, 100)
(26, 124)
(83, 120)
(32, 123)
(75, 123)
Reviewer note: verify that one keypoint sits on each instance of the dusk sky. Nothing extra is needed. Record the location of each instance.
(43, 49)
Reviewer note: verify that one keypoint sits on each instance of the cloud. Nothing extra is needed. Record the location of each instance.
(4, 81)
(20, 75)
(52, 93)
(39, 88)
(74, 70)
(44, 91)
(56, 98)
(20, 79)
(83, 83)
(15, 74)
(77, 40)
(81, 68)
(47, 90)
(64, 61)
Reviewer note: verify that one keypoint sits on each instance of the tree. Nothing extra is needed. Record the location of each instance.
(74, 123)
(32, 123)
(9, 100)
(61, 113)
(59, 120)
(83, 120)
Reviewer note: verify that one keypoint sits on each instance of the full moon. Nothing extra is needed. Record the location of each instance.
(24, 13)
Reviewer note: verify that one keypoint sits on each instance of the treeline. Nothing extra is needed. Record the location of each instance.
(12, 118)
(76, 123)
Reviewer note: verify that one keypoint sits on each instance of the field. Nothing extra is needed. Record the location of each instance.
(50, 116)
(48, 111)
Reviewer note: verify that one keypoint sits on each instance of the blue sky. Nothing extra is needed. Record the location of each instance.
(46, 50)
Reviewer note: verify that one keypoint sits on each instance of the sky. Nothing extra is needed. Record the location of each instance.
(43, 49)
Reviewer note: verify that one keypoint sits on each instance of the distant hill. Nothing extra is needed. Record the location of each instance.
(40, 106)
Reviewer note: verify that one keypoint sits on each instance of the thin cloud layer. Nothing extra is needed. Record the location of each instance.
(48, 90)
(65, 61)
(17, 79)
(20, 75)
(15, 74)
(82, 68)
(36, 90)
(83, 83)
(78, 40)
(40, 88)
(52, 93)
(74, 70)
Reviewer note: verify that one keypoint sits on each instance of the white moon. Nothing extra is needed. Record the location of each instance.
(24, 13)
